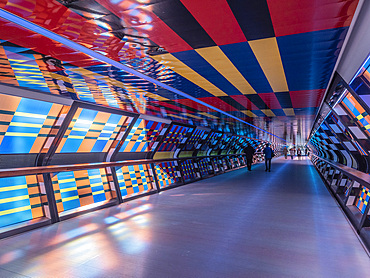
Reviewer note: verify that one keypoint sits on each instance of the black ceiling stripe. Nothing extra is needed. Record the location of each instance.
(257, 101)
(180, 20)
(232, 102)
(253, 17)
(284, 99)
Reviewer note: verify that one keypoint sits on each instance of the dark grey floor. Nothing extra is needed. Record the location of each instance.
(240, 224)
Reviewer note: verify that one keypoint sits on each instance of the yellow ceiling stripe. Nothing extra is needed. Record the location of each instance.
(193, 116)
(289, 111)
(214, 56)
(208, 115)
(268, 56)
(268, 112)
(248, 113)
(179, 67)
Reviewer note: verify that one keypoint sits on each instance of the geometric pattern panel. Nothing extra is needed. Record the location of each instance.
(134, 179)
(188, 169)
(363, 199)
(142, 136)
(25, 124)
(194, 138)
(20, 200)
(80, 188)
(91, 131)
(203, 165)
(174, 137)
(167, 173)
(358, 113)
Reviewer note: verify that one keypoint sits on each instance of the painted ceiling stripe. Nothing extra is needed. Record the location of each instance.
(292, 17)
(179, 67)
(208, 115)
(154, 27)
(253, 17)
(309, 58)
(271, 100)
(79, 48)
(180, 20)
(224, 66)
(195, 61)
(268, 112)
(243, 100)
(219, 23)
(284, 99)
(248, 113)
(243, 58)
(257, 101)
(219, 103)
(268, 56)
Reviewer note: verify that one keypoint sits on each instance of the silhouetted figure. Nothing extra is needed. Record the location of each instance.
(292, 151)
(299, 153)
(285, 152)
(269, 153)
(249, 151)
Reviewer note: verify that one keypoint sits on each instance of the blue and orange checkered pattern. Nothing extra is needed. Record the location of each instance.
(164, 176)
(20, 200)
(142, 136)
(134, 180)
(80, 188)
(25, 124)
(167, 173)
(91, 131)
(363, 199)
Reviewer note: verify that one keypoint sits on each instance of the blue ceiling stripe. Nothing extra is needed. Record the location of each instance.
(309, 58)
(242, 56)
(196, 62)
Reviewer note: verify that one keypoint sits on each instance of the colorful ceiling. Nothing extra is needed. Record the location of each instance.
(264, 62)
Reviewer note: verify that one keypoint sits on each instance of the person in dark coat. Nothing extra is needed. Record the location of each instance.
(249, 151)
(269, 153)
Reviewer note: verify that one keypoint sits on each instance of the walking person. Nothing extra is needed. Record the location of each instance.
(269, 153)
(285, 152)
(249, 151)
(292, 151)
(299, 153)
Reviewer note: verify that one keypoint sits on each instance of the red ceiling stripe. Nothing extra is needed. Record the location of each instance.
(307, 98)
(194, 105)
(156, 30)
(294, 17)
(271, 100)
(219, 23)
(218, 103)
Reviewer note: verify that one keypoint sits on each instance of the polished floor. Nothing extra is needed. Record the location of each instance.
(240, 224)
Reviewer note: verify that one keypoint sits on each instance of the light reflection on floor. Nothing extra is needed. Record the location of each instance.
(213, 228)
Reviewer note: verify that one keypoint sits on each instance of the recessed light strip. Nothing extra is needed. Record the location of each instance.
(49, 34)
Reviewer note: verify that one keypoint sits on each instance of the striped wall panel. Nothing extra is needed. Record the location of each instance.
(80, 188)
(20, 200)
(25, 124)
(91, 131)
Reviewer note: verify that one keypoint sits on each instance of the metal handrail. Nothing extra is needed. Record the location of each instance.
(13, 172)
(351, 173)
